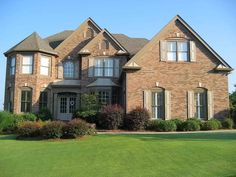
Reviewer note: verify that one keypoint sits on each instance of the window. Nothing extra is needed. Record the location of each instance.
(44, 65)
(177, 51)
(158, 104)
(12, 65)
(104, 97)
(10, 100)
(69, 69)
(26, 100)
(89, 33)
(43, 99)
(27, 64)
(104, 67)
(200, 102)
(104, 45)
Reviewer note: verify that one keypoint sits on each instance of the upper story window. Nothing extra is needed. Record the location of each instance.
(45, 65)
(69, 69)
(104, 67)
(12, 65)
(27, 64)
(177, 51)
(89, 33)
(104, 45)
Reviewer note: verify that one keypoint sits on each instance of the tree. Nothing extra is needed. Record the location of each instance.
(232, 98)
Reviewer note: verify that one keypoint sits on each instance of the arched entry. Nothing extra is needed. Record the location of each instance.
(67, 103)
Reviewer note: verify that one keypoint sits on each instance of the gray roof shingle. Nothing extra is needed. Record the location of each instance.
(32, 43)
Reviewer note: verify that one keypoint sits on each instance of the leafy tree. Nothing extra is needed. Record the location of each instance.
(232, 98)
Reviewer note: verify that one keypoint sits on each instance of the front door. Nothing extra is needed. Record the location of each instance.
(66, 106)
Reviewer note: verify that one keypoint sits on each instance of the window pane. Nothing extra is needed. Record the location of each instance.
(171, 56)
(182, 46)
(108, 71)
(26, 69)
(171, 46)
(108, 62)
(13, 62)
(45, 61)
(158, 105)
(98, 63)
(27, 60)
(98, 72)
(182, 56)
(44, 71)
(68, 69)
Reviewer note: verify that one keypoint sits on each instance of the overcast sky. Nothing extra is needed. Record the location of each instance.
(214, 20)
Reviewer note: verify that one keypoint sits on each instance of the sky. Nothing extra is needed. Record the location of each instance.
(213, 20)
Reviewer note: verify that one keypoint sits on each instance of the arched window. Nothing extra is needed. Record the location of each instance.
(158, 105)
(104, 45)
(69, 69)
(89, 33)
(200, 103)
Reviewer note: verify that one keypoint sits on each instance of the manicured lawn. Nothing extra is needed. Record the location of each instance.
(201, 155)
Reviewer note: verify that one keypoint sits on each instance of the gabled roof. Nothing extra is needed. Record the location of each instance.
(85, 22)
(133, 60)
(32, 43)
(123, 50)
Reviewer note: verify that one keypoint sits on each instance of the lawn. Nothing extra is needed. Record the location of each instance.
(204, 154)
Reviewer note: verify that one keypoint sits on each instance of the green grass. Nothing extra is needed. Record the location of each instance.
(201, 155)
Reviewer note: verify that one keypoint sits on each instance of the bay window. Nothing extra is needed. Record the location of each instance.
(44, 65)
(12, 65)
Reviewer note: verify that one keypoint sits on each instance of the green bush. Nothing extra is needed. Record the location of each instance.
(88, 108)
(212, 124)
(152, 125)
(77, 128)
(53, 129)
(29, 117)
(136, 119)
(179, 124)
(227, 123)
(191, 125)
(111, 117)
(29, 129)
(161, 125)
(44, 114)
(7, 122)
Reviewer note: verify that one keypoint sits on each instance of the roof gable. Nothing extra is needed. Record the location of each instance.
(156, 38)
(121, 49)
(32, 43)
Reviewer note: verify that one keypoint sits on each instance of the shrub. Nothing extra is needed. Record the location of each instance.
(227, 123)
(28, 117)
(152, 125)
(191, 125)
(77, 128)
(44, 114)
(29, 129)
(111, 117)
(53, 129)
(136, 119)
(162, 125)
(212, 124)
(88, 108)
(178, 123)
(7, 122)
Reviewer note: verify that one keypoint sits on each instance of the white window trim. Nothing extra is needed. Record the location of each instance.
(27, 65)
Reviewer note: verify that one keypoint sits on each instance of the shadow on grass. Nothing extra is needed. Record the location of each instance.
(184, 137)
(143, 137)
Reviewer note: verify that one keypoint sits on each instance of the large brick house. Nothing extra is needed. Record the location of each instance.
(174, 75)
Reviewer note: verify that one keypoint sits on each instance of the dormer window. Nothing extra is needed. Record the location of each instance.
(177, 51)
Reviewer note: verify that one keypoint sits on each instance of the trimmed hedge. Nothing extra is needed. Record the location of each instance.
(161, 125)
(178, 123)
(77, 128)
(136, 119)
(111, 117)
(212, 124)
(191, 125)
